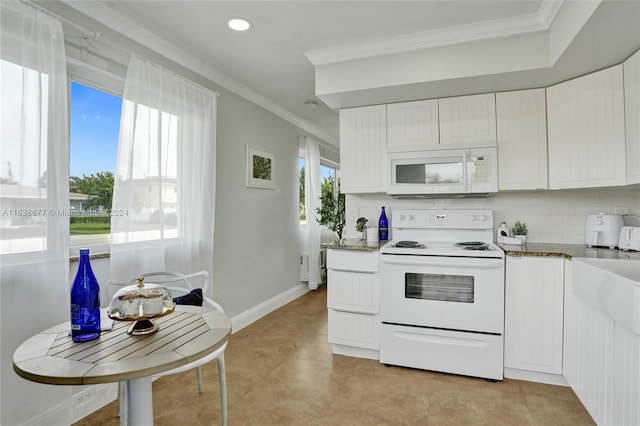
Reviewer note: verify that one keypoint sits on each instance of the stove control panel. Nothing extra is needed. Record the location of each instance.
(475, 217)
(447, 219)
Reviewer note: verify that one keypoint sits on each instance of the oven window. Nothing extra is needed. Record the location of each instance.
(449, 288)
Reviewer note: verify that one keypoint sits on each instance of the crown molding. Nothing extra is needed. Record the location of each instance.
(534, 22)
(130, 29)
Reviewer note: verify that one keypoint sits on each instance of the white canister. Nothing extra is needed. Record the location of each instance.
(372, 234)
(502, 232)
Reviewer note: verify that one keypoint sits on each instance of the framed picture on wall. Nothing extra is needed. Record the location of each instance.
(261, 168)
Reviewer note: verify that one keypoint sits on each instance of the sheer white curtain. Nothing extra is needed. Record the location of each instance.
(34, 196)
(164, 189)
(311, 201)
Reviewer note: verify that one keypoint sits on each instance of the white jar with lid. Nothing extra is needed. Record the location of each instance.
(502, 232)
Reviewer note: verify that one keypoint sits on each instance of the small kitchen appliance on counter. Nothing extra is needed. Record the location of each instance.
(603, 230)
(629, 238)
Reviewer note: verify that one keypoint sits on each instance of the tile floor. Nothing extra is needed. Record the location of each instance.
(280, 371)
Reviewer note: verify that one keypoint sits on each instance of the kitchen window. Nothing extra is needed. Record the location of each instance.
(329, 174)
(301, 190)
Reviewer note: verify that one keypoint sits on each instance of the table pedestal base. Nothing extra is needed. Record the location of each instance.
(139, 403)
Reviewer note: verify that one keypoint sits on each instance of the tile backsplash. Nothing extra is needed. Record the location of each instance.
(551, 216)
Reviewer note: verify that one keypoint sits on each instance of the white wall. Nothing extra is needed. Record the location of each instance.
(551, 216)
(256, 241)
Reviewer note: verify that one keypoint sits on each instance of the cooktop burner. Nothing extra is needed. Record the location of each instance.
(408, 244)
(472, 245)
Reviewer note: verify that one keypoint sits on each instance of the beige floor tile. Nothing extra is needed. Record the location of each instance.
(554, 411)
(281, 372)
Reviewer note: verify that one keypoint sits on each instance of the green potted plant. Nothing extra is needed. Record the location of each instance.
(361, 226)
(332, 208)
(520, 231)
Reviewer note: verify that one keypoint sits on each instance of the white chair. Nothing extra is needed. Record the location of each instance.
(179, 285)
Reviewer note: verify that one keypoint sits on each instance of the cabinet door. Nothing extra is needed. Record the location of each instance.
(632, 116)
(586, 131)
(534, 314)
(571, 328)
(353, 291)
(468, 120)
(412, 126)
(363, 147)
(626, 377)
(588, 353)
(522, 139)
(595, 361)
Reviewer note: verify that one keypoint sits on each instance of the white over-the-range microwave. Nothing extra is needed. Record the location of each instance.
(444, 172)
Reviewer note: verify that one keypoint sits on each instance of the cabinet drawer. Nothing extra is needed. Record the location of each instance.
(353, 291)
(350, 329)
(352, 260)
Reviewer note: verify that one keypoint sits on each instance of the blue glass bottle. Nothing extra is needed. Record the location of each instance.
(85, 302)
(383, 226)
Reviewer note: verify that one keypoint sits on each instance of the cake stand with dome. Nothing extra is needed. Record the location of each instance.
(141, 303)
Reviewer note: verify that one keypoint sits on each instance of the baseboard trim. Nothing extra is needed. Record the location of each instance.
(355, 352)
(535, 376)
(248, 317)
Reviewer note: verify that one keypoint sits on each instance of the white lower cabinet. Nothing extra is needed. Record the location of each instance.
(534, 297)
(353, 294)
(601, 361)
(626, 377)
(589, 355)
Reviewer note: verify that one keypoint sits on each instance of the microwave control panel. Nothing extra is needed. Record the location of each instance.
(481, 168)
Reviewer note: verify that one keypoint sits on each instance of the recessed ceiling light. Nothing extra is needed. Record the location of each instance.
(239, 24)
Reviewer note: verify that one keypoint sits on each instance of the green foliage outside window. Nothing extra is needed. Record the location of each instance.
(98, 187)
(332, 207)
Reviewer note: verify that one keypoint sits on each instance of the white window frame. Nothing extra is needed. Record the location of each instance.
(323, 162)
(89, 75)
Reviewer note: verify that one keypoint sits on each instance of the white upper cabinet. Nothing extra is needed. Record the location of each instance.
(412, 126)
(632, 116)
(522, 139)
(363, 148)
(587, 131)
(468, 120)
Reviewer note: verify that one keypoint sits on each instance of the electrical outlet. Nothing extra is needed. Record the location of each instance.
(83, 397)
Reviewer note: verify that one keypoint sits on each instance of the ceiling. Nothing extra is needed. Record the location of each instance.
(350, 53)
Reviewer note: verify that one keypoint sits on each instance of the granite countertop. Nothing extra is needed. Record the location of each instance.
(354, 244)
(566, 251)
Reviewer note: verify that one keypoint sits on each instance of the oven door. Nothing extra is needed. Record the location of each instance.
(455, 293)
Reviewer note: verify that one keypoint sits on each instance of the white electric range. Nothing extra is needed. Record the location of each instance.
(442, 293)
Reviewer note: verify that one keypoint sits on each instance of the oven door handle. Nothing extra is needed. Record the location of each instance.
(488, 264)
